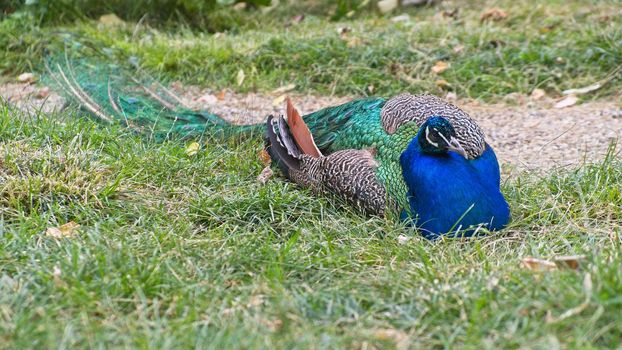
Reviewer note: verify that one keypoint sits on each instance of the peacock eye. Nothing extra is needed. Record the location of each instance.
(431, 137)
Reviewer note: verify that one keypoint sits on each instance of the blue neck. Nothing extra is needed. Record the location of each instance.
(447, 191)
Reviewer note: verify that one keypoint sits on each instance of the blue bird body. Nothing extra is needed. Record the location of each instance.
(448, 193)
(487, 165)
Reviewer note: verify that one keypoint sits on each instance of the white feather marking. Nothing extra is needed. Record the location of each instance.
(427, 137)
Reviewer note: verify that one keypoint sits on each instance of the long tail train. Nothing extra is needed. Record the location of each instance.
(114, 94)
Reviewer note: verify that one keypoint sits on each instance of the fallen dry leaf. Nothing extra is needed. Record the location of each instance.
(343, 30)
(450, 14)
(265, 175)
(570, 100)
(208, 99)
(221, 95)
(240, 6)
(583, 90)
(353, 42)
(256, 300)
(273, 325)
(401, 18)
(495, 14)
(240, 77)
(43, 92)
(284, 88)
(534, 264)
(111, 20)
(537, 94)
(371, 88)
(231, 283)
(297, 19)
(192, 148)
(569, 261)
(401, 239)
(458, 48)
(264, 156)
(26, 78)
(451, 96)
(442, 83)
(63, 231)
(278, 101)
(439, 67)
(399, 338)
(387, 5)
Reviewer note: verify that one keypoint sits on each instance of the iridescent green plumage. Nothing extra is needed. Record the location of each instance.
(357, 125)
(112, 93)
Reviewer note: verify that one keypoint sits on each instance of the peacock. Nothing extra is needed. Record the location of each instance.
(416, 157)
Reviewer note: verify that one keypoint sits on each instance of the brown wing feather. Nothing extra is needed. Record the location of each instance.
(300, 131)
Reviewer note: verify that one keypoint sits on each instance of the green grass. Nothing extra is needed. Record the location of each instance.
(179, 251)
(555, 46)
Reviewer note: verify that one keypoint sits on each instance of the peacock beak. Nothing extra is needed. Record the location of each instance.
(455, 146)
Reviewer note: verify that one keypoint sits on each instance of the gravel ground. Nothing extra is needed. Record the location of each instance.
(526, 135)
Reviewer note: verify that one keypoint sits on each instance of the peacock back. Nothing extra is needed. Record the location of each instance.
(358, 125)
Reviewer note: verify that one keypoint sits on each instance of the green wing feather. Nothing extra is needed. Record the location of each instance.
(336, 127)
(357, 125)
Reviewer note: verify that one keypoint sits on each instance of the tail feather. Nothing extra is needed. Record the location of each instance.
(286, 138)
(286, 158)
(300, 131)
(113, 94)
(60, 78)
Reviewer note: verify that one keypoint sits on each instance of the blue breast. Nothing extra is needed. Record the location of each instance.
(448, 193)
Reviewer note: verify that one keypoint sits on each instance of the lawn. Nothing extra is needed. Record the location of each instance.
(178, 250)
(553, 45)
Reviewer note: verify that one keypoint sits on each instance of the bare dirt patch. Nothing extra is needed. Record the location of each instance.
(529, 135)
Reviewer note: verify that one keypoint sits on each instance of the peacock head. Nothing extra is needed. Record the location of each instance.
(437, 136)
